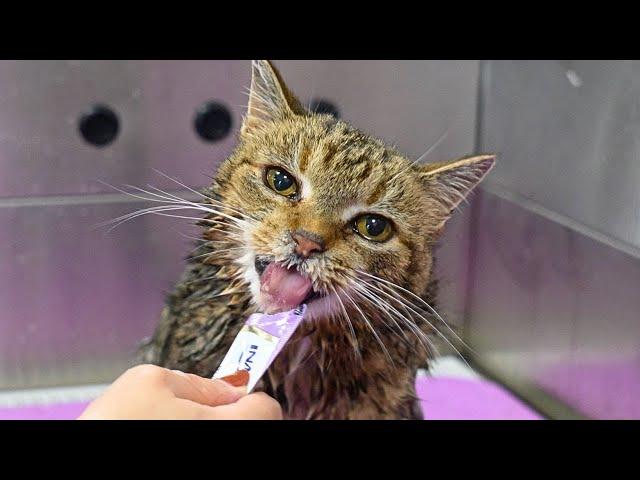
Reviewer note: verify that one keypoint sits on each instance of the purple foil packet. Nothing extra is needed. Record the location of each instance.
(259, 342)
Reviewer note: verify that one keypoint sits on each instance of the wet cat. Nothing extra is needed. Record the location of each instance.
(307, 209)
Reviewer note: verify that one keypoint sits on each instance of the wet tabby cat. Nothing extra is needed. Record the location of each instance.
(309, 209)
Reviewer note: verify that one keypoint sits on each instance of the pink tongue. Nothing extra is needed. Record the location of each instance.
(284, 288)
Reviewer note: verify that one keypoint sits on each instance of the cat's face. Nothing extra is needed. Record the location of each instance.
(326, 209)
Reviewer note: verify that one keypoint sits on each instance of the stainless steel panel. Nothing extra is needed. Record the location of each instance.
(408, 103)
(41, 152)
(569, 138)
(74, 299)
(556, 308)
(555, 264)
(452, 269)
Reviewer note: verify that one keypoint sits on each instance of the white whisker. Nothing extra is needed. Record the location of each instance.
(380, 302)
(368, 324)
(346, 315)
(431, 309)
(424, 339)
(433, 327)
(213, 253)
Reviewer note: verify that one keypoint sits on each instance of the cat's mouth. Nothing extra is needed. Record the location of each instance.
(283, 288)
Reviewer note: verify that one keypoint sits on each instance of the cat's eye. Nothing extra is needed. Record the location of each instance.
(373, 227)
(281, 182)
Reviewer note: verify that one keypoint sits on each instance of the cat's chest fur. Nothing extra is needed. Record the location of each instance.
(322, 376)
(291, 375)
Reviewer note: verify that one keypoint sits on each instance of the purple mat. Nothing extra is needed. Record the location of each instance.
(587, 387)
(445, 398)
(56, 411)
(442, 398)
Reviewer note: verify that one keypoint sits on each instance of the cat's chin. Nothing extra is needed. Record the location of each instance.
(322, 307)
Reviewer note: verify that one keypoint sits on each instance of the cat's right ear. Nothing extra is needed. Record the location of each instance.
(450, 182)
(269, 97)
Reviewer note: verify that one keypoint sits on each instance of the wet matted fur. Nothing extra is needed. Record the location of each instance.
(367, 331)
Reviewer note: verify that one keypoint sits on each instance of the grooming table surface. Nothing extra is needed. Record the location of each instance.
(451, 391)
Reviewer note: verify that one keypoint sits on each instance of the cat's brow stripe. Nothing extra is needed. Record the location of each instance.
(244, 161)
(365, 173)
(355, 160)
(303, 160)
(378, 193)
(252, 163)
(330, 154)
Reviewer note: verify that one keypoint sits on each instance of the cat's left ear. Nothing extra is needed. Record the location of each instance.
(269, 98)
(449, 183)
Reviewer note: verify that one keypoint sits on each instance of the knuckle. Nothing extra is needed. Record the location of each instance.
(272, 406)
(146, 372)
(276, 410)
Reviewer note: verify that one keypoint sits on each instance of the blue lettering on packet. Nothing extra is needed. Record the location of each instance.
(252, 351)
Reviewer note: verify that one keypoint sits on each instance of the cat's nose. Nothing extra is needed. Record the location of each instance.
(307, 243)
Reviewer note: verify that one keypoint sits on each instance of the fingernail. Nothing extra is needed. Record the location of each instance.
(238, 379)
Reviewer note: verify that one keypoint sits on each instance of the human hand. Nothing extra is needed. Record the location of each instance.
(148, 392)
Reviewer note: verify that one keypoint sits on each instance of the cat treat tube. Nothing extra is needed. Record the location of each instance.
(258, 343)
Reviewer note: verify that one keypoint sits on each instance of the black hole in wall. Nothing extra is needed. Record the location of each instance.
(213, 121)
(99, 126)
(324, 106)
